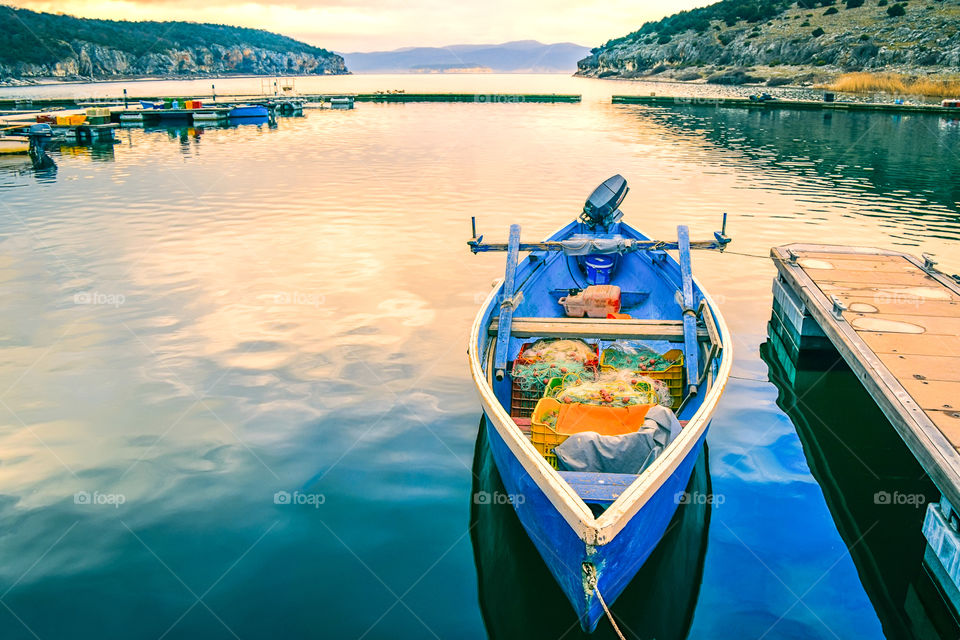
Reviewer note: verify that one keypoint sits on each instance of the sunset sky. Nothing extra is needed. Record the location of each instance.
(370, 25)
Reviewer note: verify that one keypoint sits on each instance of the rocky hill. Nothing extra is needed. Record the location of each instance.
(784, 41)
(44, 45)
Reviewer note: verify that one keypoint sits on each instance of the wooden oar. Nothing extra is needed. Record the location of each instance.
(719, 242)
(506, 304)
(690, 355)
(478, 246)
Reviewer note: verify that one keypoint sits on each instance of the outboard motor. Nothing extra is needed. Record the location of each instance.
(39, 135)
(602, 207)
(40, 130)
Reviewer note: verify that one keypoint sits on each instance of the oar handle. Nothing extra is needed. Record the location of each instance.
(506, 304)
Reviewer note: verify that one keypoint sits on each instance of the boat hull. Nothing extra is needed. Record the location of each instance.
(10, 146)
(249, 112)
(564, 553)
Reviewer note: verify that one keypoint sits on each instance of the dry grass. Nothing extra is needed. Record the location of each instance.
(896, 83)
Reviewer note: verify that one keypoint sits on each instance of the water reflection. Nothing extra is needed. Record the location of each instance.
(520, 599)
(909, 162)
(37, 163)
(859, 462)
(322, 321)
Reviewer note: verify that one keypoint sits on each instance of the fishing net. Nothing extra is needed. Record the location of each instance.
(545, 360)
(635, 356)
(615, 388)
(550, 418)
(536, 375)
(559, 351)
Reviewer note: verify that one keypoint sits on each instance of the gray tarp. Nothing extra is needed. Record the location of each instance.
(583, 245)
(631, 453)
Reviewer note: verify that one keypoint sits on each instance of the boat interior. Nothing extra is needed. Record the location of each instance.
(594, 346)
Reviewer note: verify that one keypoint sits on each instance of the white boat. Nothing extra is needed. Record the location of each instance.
(11, 145)
(341, 102)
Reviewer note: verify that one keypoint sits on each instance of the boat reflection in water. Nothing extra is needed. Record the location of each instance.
(875, 489)
(519, 597)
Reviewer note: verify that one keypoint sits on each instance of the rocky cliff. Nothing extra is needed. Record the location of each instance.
(735, 41)
(38, 45)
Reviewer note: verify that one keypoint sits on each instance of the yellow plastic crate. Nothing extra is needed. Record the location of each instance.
(672, 376)
(77, 120)
(63, 121)
(544, 437)
(98, 112)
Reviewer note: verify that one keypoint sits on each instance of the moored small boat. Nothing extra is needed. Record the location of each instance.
(249, 111)
(341, 102)
(13, 145)
(594, 508)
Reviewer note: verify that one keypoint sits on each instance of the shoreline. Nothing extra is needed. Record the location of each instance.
(823, 79)
(52, 81)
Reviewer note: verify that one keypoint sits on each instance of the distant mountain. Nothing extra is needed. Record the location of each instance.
(37, 45)
(522, 56)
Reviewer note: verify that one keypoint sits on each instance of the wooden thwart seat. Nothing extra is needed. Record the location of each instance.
(598, 488)
(631, 329)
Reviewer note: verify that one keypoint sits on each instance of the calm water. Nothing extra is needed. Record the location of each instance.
(234, 388)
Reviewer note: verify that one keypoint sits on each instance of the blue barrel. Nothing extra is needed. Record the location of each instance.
(599, 269)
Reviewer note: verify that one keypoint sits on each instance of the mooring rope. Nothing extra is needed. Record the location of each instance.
(590, 573)
(613, 622)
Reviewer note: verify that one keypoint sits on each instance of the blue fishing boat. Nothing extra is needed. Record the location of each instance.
(596, 524)
(249, 111)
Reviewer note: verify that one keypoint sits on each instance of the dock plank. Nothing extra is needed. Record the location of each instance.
(949, 423)
(934, 395)
(932, 325)
(916, 278)
(914, 344)
(894, 265)
(898, 303)
(929, 367)
(850, 257)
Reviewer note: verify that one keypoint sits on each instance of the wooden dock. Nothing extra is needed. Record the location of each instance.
(805, 105)
(483, 98)
(153, 116)
(895, 320)
(87, 132)
(37, 104)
